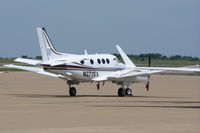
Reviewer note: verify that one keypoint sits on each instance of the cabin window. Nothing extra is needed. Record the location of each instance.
(107, 60)
(91, 61)
(82, 61)
(99, 61)
(103, 61)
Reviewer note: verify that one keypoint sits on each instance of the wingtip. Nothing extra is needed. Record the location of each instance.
(6, 72)
(6, 65)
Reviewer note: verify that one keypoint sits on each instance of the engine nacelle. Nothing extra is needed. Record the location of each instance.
(142, 79)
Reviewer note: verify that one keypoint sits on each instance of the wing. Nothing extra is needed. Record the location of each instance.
(64, 61)
(37, 70)
(29, 61)
(147, 71)
(126, 74)
(174, 71)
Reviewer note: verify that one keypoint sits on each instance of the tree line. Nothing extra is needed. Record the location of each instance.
(158, 56)
(141, 57)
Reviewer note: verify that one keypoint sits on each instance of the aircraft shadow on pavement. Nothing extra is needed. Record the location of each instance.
(57, 96)
(167, 106)
(67, 96)
(131, 100)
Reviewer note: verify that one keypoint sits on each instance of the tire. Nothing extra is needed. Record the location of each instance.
(72, 91)
(121, 92)
(128, 91)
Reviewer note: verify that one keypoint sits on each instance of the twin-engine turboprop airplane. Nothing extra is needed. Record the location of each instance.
(94, 67)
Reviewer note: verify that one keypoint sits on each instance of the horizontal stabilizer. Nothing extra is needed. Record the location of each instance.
(63, 61)
(29, 61)
(35, 69)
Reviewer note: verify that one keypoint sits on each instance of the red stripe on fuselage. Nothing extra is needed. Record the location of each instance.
(69, 66)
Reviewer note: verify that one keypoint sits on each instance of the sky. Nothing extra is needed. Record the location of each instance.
(169, 27)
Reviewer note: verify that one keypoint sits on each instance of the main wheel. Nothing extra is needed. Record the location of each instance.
(72, 91)
(128, 91)
(121, 92)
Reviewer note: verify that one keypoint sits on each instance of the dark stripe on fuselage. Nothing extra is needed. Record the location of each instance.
(79, 68)
(69, 66)
(50, 45)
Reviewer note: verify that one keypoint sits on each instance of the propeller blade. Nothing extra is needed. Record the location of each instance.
(149, 61)
(149, 64)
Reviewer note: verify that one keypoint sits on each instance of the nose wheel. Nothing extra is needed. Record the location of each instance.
(122, 92)
(72, 91)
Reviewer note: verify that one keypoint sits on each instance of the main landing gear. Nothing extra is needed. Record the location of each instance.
(72, 91)
(122, 92)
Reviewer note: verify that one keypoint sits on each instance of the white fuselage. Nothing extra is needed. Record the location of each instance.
(88, 67)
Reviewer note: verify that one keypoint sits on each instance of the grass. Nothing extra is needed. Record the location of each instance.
(142, 63)
(166, 63)
(10, 69)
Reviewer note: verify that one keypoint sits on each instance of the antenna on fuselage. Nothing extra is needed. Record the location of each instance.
(86, 53)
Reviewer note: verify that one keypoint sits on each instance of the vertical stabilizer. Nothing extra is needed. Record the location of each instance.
(125, 58)
(47, 50)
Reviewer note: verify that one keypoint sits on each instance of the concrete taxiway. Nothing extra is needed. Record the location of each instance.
(32, 103)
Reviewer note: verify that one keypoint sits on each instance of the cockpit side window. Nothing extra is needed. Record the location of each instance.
(115, 59)
(82, 62)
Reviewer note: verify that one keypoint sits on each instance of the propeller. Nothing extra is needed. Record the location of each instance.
(149, 61)
(149, 64)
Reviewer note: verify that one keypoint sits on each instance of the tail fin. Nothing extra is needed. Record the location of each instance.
(125, 58)
(47, 50)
